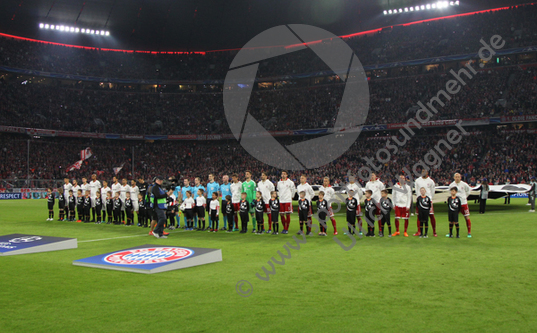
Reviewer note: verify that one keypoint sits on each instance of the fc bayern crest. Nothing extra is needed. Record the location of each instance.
(147, 256)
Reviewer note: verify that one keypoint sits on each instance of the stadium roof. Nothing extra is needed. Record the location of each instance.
(199, 25)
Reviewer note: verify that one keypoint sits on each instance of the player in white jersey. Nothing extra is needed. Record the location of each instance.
(463, 191)
(75, 188)
(134, 191)
(402, 198)
(375, 185)
(66, 188)
(286, 191)
(94, 186)
(123, 195)
(236, 188)
(84, 185)
(309, 194)
(426, 182)
(116, 186)
(329, 197)
(104, 194)
(265, 186)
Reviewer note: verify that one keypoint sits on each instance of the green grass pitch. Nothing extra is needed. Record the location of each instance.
(484, 284)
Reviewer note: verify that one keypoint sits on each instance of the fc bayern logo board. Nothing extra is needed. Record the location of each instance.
(22, 244)
(150, 258)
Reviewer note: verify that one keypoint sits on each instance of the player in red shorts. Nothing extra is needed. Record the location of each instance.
(402, 198)
(463, 191)
(286, 191)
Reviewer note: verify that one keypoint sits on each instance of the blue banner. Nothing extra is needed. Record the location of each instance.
(9, 196)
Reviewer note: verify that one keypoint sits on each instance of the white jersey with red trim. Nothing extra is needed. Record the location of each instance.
(307, 189)
(402, 195)
(463, 191)
(358, 194)
(286, 190)
(235, 189)
(426, 183)
(328, 192)
(375, 187)
(94, 186)
(265, 187)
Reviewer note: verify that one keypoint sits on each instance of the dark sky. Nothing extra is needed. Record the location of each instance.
(204, 24)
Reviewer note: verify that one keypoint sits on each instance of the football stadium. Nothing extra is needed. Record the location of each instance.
(268, 166)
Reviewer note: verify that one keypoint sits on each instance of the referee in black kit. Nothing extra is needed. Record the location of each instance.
(159, 205)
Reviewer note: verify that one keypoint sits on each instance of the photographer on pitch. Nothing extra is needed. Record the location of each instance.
(159, 205)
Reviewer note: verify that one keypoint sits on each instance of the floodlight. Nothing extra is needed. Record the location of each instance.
(41, 25)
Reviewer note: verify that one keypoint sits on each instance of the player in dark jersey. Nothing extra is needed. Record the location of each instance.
(117, 208)
(424, 204)
(80, 205)
(386, 206)
(71, 206)
(171, 208)
(129, 209)
(61, 203)
(87, 206)
(303, 214)
(322, 212)
(454, 207)
(142, 220)
(274, 204)
(50, 204)
(352, 206)
(370, 207)
(244, 212)
(98, 207)
(229, 211)
(109, 207)
(259, 206)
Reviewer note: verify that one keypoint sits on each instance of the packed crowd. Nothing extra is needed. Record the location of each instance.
(486, 153)
(431, 39)
(391, 101)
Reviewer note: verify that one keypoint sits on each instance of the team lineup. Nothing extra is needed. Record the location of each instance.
(241, 203)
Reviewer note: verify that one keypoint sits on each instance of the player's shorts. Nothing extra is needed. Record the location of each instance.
(50, 205)
(330, 212)
(286, 207)
(452, 217)
(208, 206)
(236, 207)
(431, 212)
(310, 213)
(303, 215)
(200, 210)
(465, 210)
(267, 208)
(135, 206)
(402, 213)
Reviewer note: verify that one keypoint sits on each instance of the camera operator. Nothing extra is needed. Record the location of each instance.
(159, 205)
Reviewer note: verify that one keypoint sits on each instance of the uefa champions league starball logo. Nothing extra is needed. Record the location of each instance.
(240, 79)
(25, 239)
(148, 256)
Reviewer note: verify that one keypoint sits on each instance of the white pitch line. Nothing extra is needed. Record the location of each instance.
(103, 239)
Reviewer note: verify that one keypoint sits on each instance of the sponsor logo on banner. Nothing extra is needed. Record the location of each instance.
(132, 137)
(12, 129)
(214, 137)
(531, 117)
(8, 196)
(148, 256)
(182, 137)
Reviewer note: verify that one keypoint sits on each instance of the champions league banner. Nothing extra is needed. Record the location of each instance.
(23, 244)
(150, 258)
